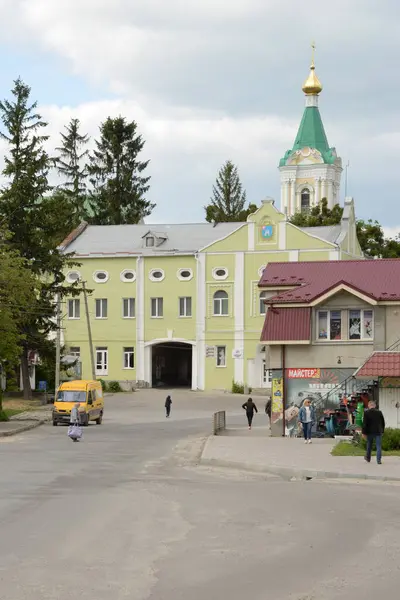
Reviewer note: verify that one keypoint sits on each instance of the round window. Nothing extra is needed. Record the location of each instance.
(220, 273)
(185, 274)
(100, 276)
(128, 276)
(157, 275)
(73, 276)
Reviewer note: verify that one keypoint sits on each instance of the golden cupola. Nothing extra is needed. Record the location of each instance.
(312, 85)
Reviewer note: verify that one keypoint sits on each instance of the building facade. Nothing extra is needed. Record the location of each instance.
(323, 321)
(180, 304)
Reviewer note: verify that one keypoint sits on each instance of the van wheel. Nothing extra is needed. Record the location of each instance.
(55, 423)
(86, 423)
(100, 419)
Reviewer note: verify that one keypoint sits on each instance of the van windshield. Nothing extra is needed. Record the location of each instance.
(71, 396)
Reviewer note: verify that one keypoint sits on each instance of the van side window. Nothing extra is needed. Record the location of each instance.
(90, 397)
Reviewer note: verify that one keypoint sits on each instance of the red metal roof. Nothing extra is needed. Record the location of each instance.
(380, 364)
(377, 279)
(287, 324)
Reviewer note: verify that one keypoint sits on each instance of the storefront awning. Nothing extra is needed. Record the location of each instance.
(287, 325)
(380, 364)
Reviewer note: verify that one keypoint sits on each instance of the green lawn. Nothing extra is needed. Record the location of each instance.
(347, 449)
(15, 406)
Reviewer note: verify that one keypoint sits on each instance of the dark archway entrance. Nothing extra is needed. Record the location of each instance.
(172, 365)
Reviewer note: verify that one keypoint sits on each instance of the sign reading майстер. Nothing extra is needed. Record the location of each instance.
(303, 373)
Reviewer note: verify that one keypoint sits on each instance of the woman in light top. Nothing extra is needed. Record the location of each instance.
(307, 419)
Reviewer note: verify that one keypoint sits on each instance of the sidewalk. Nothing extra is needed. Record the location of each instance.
(9, 428)
(290, 458)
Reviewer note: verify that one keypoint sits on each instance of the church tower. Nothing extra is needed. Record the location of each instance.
(311, 170)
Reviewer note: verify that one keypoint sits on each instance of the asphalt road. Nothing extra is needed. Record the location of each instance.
(124, 514)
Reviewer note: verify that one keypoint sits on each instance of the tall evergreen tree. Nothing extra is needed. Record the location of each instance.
(229, 198)
(119, 188)
(72, 168)
(25, 207)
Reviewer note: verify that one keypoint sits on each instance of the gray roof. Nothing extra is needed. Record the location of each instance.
(127, 239)
(330, 233)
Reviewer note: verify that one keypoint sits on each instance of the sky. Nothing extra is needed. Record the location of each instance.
(211, 80)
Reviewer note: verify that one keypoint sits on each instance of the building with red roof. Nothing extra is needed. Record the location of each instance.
(325, 319)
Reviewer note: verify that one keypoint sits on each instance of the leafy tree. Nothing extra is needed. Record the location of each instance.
(71, 166)
(116, 174)
(370, 233)
(29, 213)
(229, 198)
(17, 286)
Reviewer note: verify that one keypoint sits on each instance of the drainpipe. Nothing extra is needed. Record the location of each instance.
(283, 361)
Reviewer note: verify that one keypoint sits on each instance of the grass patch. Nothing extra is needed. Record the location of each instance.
(348, 449)
(16, 406)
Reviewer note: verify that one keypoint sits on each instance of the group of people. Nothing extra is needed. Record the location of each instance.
(306, 415)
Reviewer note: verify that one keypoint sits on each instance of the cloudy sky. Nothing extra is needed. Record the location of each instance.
(209, 80)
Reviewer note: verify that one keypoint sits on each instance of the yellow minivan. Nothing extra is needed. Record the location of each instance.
(88, 393)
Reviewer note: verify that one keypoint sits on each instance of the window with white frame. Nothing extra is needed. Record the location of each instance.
(339, 325)
(185, 306)
(101, 308)
(156, 275)
(129, 358)
(361, 324)
(128, 308)
(220, 273)
(74, 308)
(221, 303)
(73, 276)
(157, 308)
(102, 361)
(264, 296)
(101, 276)
(150, 241)
(75, 351)
(267, 373)
(185, 274)
(128, 276)
(221, 356)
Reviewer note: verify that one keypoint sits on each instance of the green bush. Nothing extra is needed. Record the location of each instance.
(114, 387)
(390, 440)
(238, 388)
(104, 385)
(3, 416)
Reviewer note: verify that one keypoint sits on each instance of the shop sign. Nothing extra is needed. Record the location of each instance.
(304, 373)
(210, 351)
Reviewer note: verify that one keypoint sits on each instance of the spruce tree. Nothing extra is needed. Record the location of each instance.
(117, 175)
(29, 214)
(72, 168)
(228, 198)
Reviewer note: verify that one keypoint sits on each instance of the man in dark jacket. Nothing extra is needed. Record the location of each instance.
(373, 428)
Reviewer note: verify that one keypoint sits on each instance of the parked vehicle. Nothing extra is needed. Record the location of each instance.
(88, 393)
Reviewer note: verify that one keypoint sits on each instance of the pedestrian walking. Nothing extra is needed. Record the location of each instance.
(168, 403)
(74, 429)
(307, 419)
(250, 408)
(373, 429)
(268, 410)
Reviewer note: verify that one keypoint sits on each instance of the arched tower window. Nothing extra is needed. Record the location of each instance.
(305, 200)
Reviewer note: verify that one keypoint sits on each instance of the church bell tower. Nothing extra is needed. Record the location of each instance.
(311, 170)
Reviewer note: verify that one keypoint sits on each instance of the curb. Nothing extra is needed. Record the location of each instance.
(21, 429)
(289, 473)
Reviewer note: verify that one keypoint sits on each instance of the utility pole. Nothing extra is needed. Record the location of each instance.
(58, 343)
(89, 330)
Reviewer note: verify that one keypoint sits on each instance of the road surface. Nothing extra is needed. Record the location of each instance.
(123, 515)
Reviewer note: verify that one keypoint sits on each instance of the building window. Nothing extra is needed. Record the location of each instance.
(101, 308)
(185, 306)
(221, 356)
(74, 308)
(101, 361)
(75, 351)
(221, 303)
(220, 273)
(185, 274)
(263, 306)
(156, 275)
(128, 276)
(157, 308)
(101, 276)
(150, 242)
(361, 324)
(129, 358)
(267, 373)
(128, 308)
(73, 276)
(305, 200)
(336, 325)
